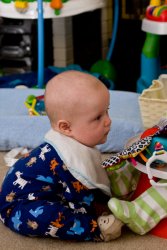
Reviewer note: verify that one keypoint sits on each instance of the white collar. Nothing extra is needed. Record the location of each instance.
(83, 162)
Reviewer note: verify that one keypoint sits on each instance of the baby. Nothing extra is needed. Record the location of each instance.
(59, 189)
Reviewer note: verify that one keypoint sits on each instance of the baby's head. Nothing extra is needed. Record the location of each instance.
(77, 106)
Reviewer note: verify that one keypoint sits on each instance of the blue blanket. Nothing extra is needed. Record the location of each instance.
(17, 129)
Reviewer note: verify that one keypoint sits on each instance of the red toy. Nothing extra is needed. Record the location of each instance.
(157, 12)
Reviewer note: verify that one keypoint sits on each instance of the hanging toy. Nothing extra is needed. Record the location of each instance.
(137, 148)
(21, 6)
(114, 162)
(57, 5)
(154, 164)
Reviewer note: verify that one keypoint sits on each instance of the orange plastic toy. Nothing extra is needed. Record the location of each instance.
(57, 5)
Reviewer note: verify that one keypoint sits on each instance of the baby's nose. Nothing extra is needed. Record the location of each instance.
(107, 122)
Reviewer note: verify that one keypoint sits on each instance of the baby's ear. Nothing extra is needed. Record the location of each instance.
(64, 127)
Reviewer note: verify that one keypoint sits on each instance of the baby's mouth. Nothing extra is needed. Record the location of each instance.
(107, 133)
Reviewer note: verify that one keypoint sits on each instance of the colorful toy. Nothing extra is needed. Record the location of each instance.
(147, 153)
(141, 150)
(155, 24)
(157, 12)
(35, 105)
(57, 5)
(128, 153)
(23, 5)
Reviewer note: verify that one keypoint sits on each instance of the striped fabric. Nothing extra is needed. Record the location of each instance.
(123, 180)
(145, 212)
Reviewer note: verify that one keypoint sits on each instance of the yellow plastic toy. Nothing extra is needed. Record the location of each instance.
(30, 105)
(21, 6)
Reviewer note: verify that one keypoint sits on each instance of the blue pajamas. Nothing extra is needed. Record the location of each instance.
(40, 197)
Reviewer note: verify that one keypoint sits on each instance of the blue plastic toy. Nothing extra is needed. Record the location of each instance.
(150, 62)
(154, 24)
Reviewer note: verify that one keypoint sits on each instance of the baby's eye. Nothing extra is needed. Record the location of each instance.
(98, 117)
(107, 111)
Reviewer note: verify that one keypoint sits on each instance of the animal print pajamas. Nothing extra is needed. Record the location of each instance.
(40, 197)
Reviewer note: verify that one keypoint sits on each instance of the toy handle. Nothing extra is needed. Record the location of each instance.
(149, 173)
(157, 184)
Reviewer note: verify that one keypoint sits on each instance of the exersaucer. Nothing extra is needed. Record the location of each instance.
(148, 178)
(41, 9)
(144, 183)
(148, 153)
